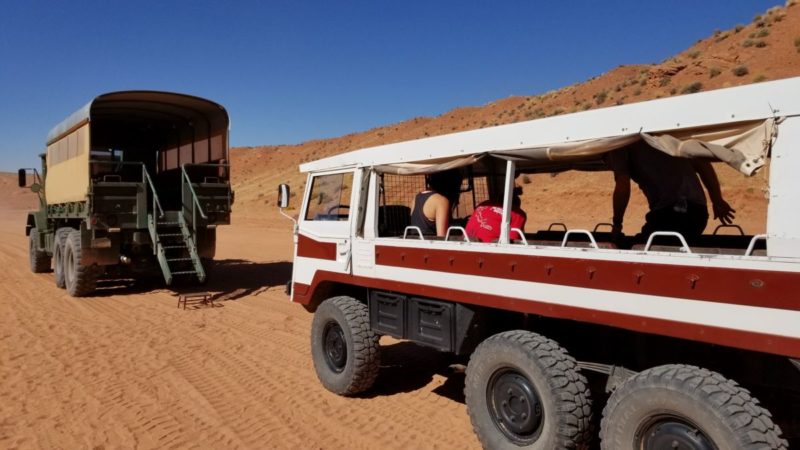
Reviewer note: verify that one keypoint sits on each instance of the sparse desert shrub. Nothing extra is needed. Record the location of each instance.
(797, 43)
(761, 24)
(762, 33)
(748, 43)
(692, 88)
(791, 3)
(752, 35)
(673, 91)
(759, 78)
(694, 54)
(664, 81)
(637, 92)
(620, 102)
(558, 111)
(600, 97)
(738, 28)
(761, 44)
(587, 106)
(526, 179)
(740, 71)
(715, 71)
(722, 37)
(756, 18)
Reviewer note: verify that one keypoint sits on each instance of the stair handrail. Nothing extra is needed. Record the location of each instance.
(156, 201)
(195, 200)
(226, 166)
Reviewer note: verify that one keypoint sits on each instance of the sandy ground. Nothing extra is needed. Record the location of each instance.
(127, 369)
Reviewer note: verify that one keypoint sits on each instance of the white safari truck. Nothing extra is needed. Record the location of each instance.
(574, 336)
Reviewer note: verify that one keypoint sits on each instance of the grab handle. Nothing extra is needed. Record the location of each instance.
(461, 229)
(752, 245)
(684, 246)
(521, 235)
(413, 228)
(586, 232)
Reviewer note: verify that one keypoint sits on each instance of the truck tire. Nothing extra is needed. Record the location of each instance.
(524, 391)
(80, 280)
(39, 260)
(344, 349)
(59, 246)
(679, 406)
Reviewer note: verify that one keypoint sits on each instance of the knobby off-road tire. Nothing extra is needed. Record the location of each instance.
(691, 406)
(80, 280)
(344, 348)
(39, 260)
(59, 246)
(524, 391)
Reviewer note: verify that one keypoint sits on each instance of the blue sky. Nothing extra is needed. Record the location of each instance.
(290, 71)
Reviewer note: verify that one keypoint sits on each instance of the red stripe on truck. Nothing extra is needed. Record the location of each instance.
(749, 287)
(762, 342)
(311, 248)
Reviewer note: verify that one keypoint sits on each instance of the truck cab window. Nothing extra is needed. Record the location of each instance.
(330, 197)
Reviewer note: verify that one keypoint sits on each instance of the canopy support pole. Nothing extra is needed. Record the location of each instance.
(508, 197)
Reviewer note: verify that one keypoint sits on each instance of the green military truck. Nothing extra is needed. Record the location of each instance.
(133, 183)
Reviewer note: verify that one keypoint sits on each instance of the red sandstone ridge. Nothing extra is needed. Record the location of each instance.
(763, 50)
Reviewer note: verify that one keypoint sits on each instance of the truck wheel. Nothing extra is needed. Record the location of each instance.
(524, 391)
(58, 256)
(80, 280)
(344, 348)
(39, 260)
(686, 407)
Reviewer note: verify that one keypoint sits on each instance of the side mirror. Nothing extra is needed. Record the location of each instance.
(23, 179)
(283, 196)
(36, 188)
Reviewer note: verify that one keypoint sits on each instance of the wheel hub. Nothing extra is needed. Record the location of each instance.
(670, 433)
(335, 347)
(515, 406)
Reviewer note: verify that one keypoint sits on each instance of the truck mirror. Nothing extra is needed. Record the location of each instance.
(283, 196)
(23, 179)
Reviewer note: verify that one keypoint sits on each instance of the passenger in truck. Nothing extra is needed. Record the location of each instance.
(433, 206)
(672, 188)
(485, 222)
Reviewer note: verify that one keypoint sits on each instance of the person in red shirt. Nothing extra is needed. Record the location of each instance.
(484, 223)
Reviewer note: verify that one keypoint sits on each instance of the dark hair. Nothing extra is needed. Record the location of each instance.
(447, 183)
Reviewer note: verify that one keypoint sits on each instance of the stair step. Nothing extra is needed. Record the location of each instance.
(170, 234)
(185, 272)
(179, 259)
(168, 223)
(167, 247)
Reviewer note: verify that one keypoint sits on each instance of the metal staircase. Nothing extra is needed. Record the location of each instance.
(175, 247)
(173, 239)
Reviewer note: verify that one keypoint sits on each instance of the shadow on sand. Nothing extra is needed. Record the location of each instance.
(229, 279)
(407, 367)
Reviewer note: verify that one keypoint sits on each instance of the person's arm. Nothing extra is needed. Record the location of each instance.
(621, 197)
(722, 210)
(442, 216)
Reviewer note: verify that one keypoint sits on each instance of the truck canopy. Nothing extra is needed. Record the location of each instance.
(182, 128)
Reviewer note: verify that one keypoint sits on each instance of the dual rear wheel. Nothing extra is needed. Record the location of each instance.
(525, 391)
(70, 272)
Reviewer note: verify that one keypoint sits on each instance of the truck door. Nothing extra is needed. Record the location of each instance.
(323, 237)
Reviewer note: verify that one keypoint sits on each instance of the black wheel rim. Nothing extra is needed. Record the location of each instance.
(514, 406)
(335, 347)
(672, 432)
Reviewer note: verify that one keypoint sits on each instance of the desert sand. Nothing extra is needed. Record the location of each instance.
(127, 369)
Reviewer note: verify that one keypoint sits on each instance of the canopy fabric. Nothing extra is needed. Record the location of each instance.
(428, 167)
(743, 146)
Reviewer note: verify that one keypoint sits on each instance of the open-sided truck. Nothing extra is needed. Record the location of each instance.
(673, 338)
(135, 182)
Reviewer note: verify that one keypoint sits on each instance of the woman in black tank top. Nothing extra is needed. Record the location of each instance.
(446, 184)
